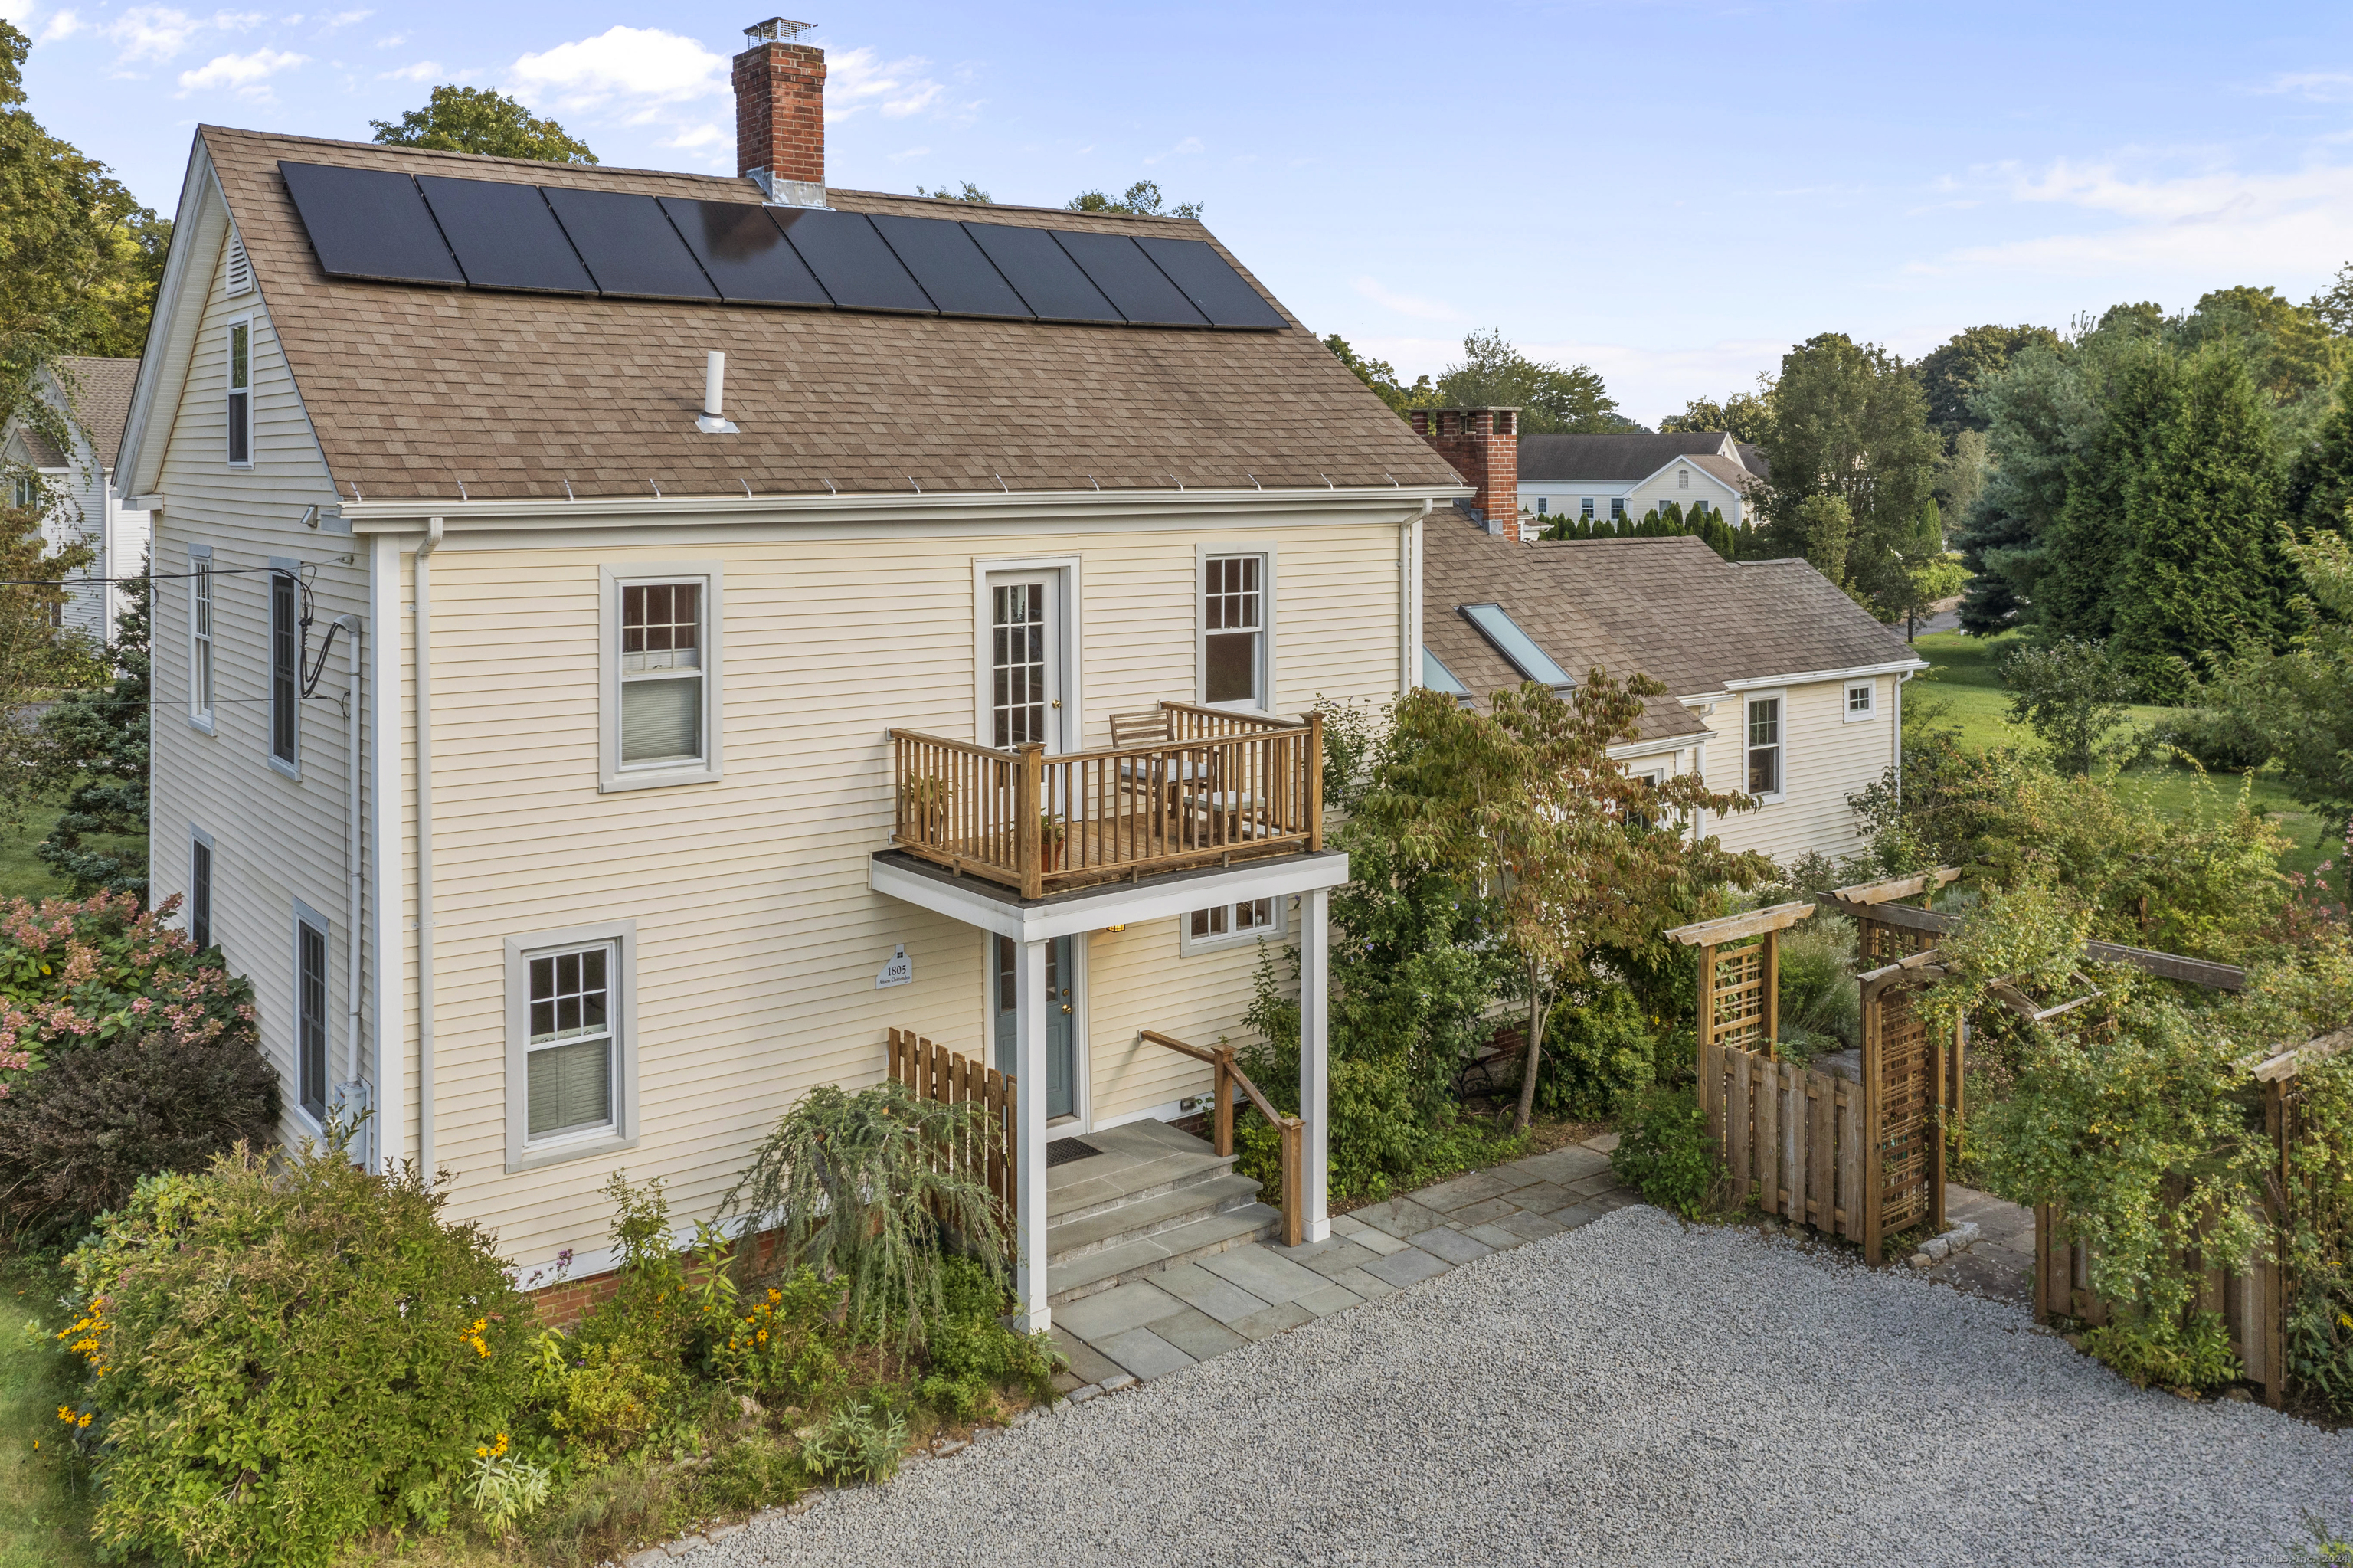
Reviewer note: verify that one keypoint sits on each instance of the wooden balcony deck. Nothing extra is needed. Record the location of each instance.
(1223, 787)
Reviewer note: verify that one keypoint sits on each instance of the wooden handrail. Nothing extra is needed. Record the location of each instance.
(1291, 1130)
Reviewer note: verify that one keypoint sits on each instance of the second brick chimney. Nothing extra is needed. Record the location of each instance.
(780, 112)
(1483, 445)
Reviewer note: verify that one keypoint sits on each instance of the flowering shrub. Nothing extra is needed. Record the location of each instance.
(80, 972)
(282, 1353)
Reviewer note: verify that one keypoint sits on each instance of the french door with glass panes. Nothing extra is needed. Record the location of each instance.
(1061, 1018)
(1025, 662)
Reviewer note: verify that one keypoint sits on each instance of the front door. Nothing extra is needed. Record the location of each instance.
(1061, 1058)
(1025, 677)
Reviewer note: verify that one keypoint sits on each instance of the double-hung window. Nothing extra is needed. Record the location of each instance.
(571, 1067)
(1543, 505)
(200, 636)
(23, 492)
(1765, 778)
(311, 1011)
(1224, 924)
(1233, 630)
(1617, 507)
(285, 668)
(1585, 508)
(240, 393)
(661, 648)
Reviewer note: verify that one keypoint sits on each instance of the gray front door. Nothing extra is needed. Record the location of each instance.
(1061, 1076)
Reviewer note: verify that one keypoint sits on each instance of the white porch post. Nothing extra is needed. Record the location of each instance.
(1314, 1051)
(1029, 1002)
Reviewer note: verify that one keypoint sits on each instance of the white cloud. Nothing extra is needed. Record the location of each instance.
(910, 152)
(1189, 144)
(392, 40)
(152, 32)
(243, 21)
(2322, 85)
(423, 70)
(703, 135)
(1408, 304)
(343, 19)
(861, 80)
(242, 72)
(621, 67)
(64, 25)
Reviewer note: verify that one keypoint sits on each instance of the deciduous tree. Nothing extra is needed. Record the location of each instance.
(1551, 398)
(1747, 416)
(2301, 701)
(1142, 199)
(1952, 373)
(1381, 376)
(480, 120)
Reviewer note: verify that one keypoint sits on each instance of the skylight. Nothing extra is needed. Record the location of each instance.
(1439, 678)
(1515, 645)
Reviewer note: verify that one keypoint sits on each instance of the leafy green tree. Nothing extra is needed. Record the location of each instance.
(2290, 350)
(79, 259)
(1747, 416)
(2301, 701)
(2204, 572)
(1527, 804)
(1961, 478)
(1822, 528)
(1850, 422)
(968, 193)
(1930, 573)
(2130, 385)
(1952, 374)
(2071, 694)
(480, 120)
(1381, 376)
(1551, 398)
(96, 741)
(1142, 199)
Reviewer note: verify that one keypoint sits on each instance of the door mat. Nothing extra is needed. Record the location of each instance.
(1063, 1150)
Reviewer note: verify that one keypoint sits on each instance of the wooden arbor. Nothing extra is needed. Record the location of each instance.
(1740, 976)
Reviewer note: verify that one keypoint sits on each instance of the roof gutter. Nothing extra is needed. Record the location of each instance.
(1805, 677)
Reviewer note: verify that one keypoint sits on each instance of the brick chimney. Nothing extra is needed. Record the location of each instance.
(1483, 445)
(780, 112)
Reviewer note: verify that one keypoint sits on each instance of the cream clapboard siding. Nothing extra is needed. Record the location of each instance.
(274, 839)
(758, 938)
(1824, 760)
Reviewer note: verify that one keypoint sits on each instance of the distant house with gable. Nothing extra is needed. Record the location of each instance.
(1632, 474)
(83, 503)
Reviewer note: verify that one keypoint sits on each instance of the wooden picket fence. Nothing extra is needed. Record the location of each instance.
(934, 1073)
(1791, 1136)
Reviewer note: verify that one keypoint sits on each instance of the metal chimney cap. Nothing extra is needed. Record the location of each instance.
(775, 30)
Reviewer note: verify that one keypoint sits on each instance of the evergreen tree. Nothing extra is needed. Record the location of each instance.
(2136, 383)
(2320, 480)
(98, 740)
(2205, 574)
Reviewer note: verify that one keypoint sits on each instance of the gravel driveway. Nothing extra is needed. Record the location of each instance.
(1631, 1391)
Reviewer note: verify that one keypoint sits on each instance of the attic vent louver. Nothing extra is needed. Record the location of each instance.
(240, 269)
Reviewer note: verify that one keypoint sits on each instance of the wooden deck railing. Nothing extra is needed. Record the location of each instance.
(1293, 1131)
(1223, 787)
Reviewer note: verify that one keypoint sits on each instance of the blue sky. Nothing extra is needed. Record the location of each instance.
(1673, 193)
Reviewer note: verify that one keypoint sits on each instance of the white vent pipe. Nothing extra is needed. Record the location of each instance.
(713, 421)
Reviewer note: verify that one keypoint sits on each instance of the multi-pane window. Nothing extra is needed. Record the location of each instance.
(1764, 746)
(1585, 508)
(311, 1014)
(200, 637)
(1255, 918)
(662, 673)
(1682, 478)
(23, 491)
(285, 665)
(240, 392)
(1617, 507)
(1020, 664)
(569, 1052)
(1234, 630)
(1645, 815)
(200, 893)
(1861, 699)
(1543, 505)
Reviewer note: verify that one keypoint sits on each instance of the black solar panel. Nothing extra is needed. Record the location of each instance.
(629, 246)
(1217, 290)
(955, 272)
(1049, 281)
(850, 259)
(1129, 279)
(744, 252)
(369, 223)
(504, 235)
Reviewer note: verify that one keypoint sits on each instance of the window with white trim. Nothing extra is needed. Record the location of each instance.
(1682, 478)
(200, 635)
(23, 492)
(1617, 507)
(240, 393)
(1764, 718)
(1233, 630)
(1861, 700)
(311, 1011)
(1543, 505)
(1639, 816)
(662, 674)
(285, 668)
(568, 1058)
(1585, 508)
(1227, 925)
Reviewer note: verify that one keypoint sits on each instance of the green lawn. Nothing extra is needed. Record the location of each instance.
(1966, 682)
(44, 1507)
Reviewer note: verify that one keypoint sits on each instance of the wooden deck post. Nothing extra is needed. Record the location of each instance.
(1315, 781)
(1029, 831)
(1872, 1176)
(1772, 972)
(1221, 1120)
(1707, 995)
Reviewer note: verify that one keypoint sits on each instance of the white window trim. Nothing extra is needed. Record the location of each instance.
(1846, 702)
(197, 836)
(1747, 700)
(1268, 623)
(1189, 944)
(612, 576)
(286, 566)
(522, 1154)
(1070, 735)
(251, 376)
(306, 915)
(200, 557)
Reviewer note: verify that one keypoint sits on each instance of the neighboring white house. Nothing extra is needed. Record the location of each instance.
(1629, 475)
(1779, 685)
(85, 502)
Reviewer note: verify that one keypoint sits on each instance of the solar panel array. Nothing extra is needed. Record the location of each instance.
(385, 226)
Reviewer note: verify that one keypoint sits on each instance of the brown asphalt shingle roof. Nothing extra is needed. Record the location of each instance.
(1626, 455)
(102, 399)
(1670, 609)
(413, 389)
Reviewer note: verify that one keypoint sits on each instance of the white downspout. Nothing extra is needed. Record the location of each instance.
(1896, 746)
(432, 542)
(356, 1095)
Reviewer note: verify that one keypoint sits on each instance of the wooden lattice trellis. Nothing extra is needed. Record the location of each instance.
(1910, 1077)
(1740, 976)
